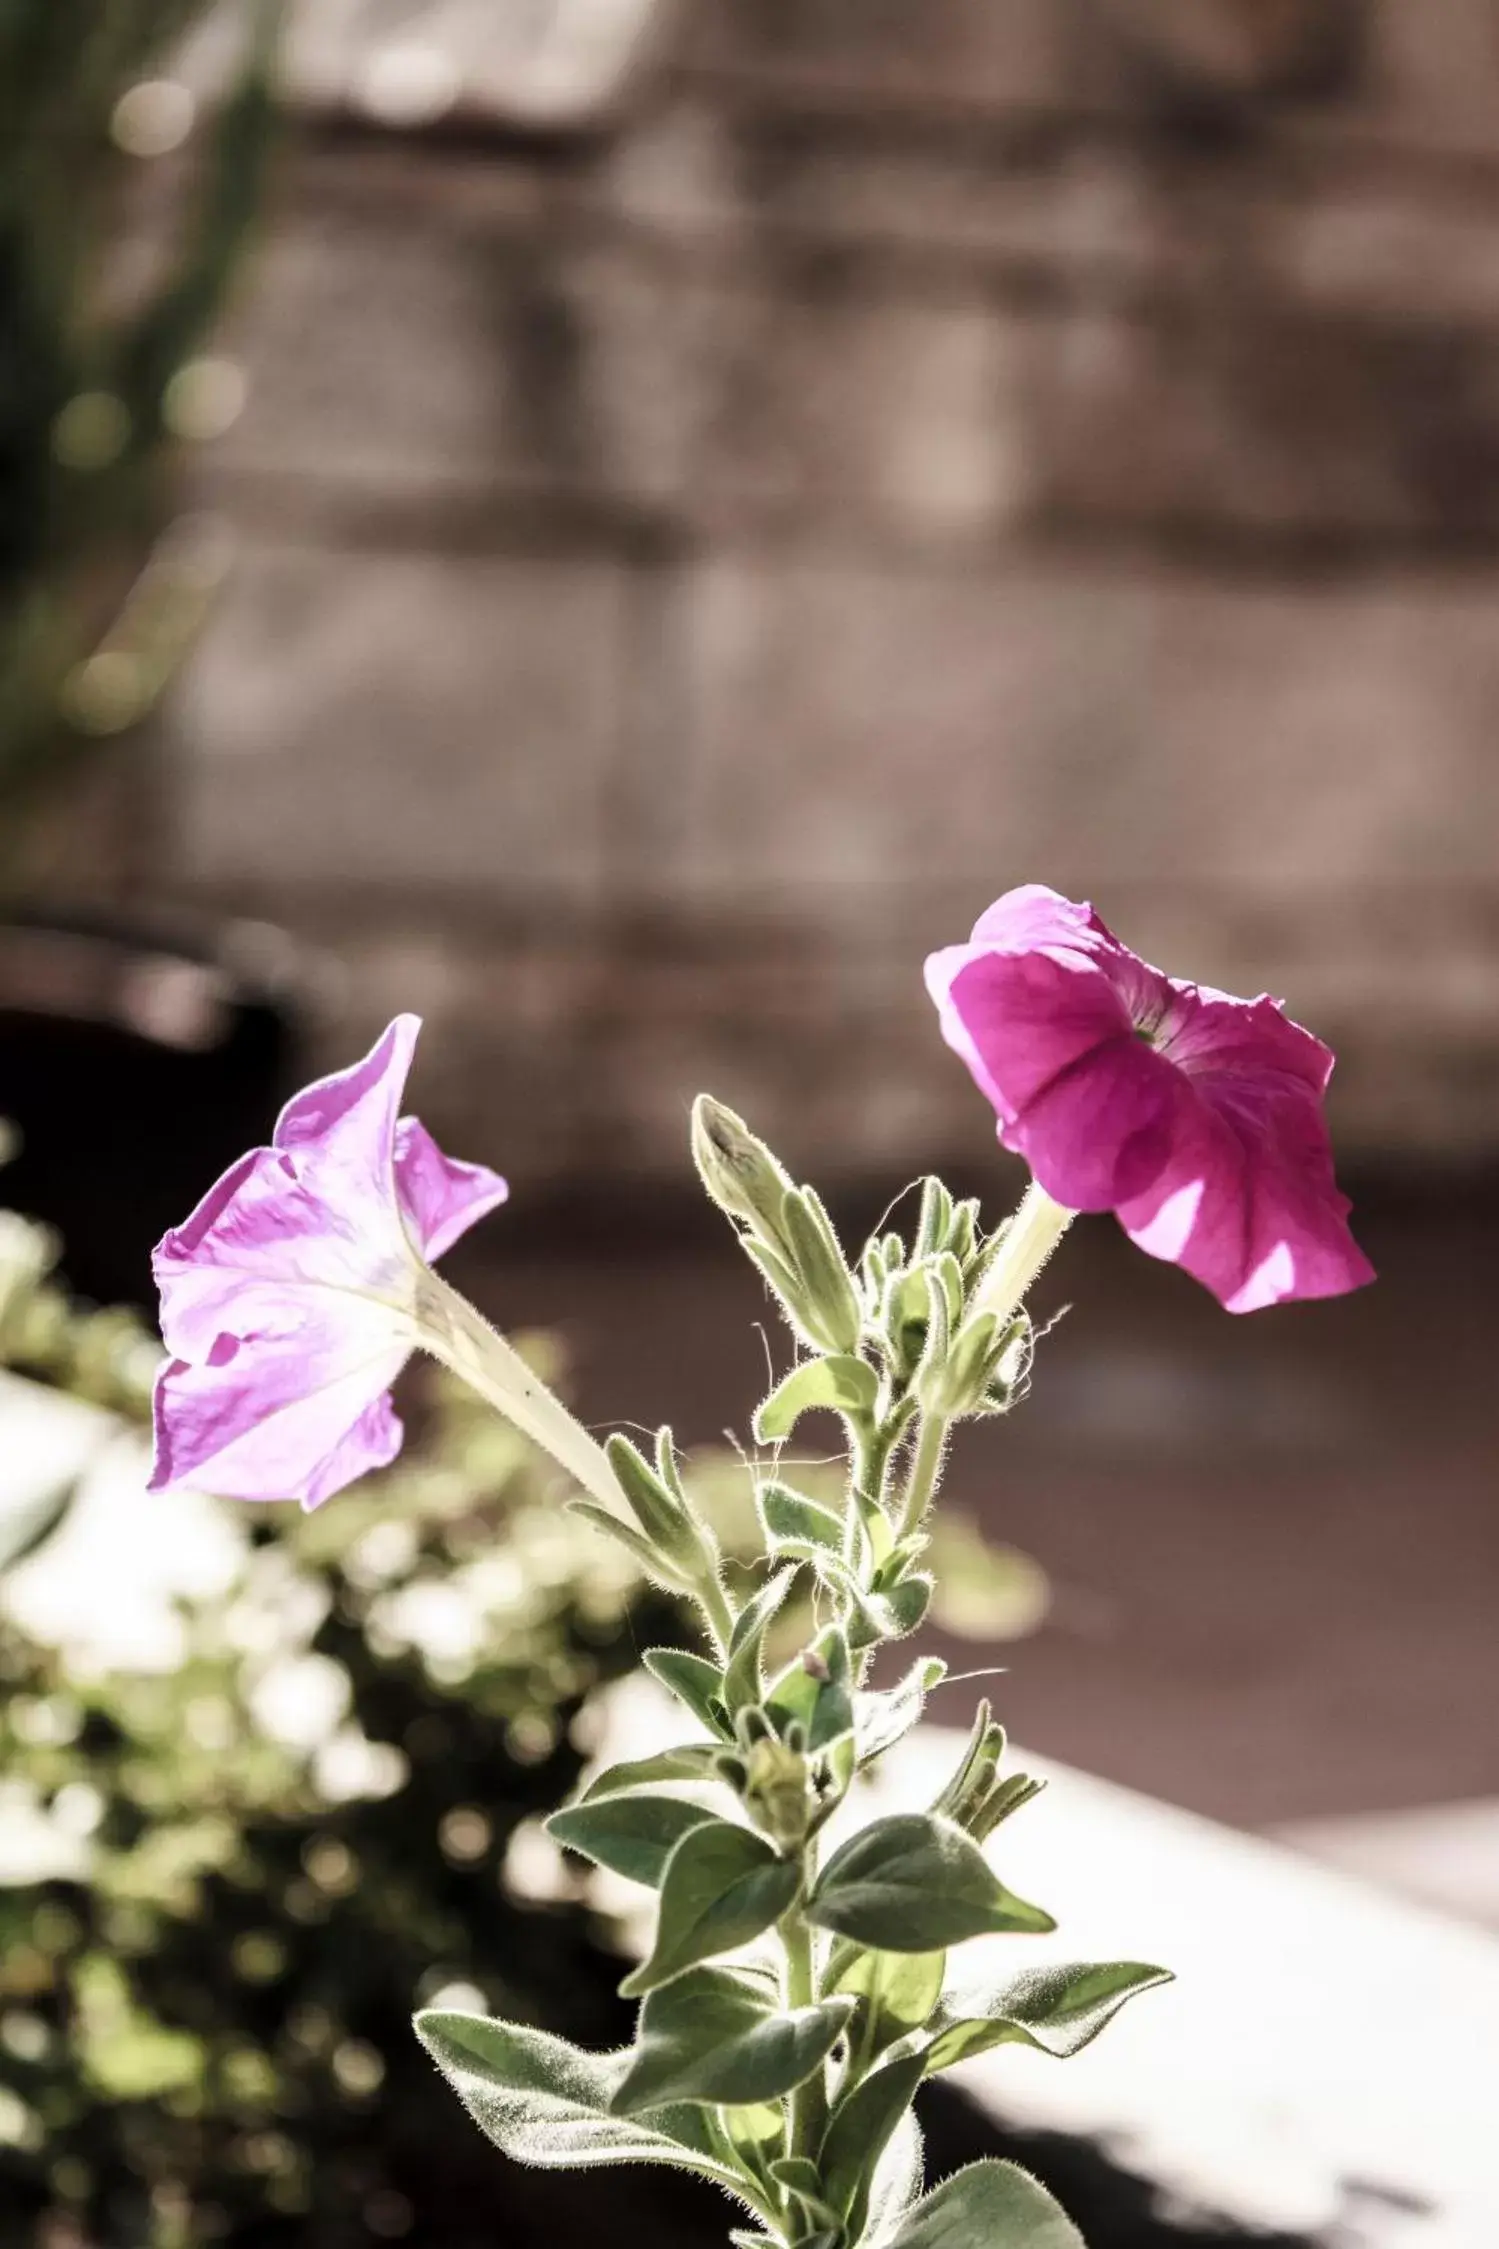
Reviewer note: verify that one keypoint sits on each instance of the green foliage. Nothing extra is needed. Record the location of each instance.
(916, 1883)
(719, 2036)
(203, 2008)
(793, 2006)
(722, 1885)
(90, 367)
(992, 2203)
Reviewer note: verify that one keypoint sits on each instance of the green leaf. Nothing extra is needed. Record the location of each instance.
(797, 1525)
(830, 1303)
(897, 2181)
(916, 1883)
(722, 1886)
(858, 2132)
(824, 1706)
(719, 2036)
(881, 1720)
(742, 1680)
(987, 2206)
(889, 1615)
(845, 1384)
(633, 1833)
(690, 1760)
(1058, 2009)
(897, 1991)
(650, 1558)
(803, 2178)
(545, 2102)
(694, 1681)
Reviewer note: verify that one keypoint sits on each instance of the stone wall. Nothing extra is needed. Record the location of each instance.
(923, 445)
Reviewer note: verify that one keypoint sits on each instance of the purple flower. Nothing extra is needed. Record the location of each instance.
(292, 1297)
(1194, 1116)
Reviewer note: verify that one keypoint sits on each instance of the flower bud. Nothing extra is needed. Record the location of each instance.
(775, 1792)
(739, 1171)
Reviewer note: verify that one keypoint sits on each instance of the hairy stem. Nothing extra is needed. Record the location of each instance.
(463, 1340)
(714, 1604)
(1033, 1233)
(809, 2103)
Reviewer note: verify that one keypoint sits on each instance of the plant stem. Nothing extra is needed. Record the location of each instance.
(458, 1335)
(1033, 1233)
(926, 1463)
(809, 2103)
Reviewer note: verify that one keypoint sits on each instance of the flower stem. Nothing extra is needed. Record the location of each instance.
(1031, 1236)
(463, 1340)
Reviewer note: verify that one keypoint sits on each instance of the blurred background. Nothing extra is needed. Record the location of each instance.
(618, 525)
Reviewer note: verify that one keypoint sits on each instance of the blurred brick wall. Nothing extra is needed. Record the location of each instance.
(932, 444)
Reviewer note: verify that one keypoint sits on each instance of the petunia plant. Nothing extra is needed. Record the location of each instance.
(809, 1969)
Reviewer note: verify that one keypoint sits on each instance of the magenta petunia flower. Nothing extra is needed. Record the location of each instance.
(1194, 1116)
(292, 1297)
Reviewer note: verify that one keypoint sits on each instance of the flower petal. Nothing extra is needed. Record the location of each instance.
(263, 1235)
(1020, 1019)
(289, 1417)
(1032, 915)
(441, 1197)
(355, 1108)
(1100, 1132)
(1247, 1202)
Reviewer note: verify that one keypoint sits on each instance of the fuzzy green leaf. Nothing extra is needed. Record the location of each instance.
(742, 1680)
(720, 2036)
(881, 1720)
(916, 1883)
(798, 1525)
(545, 2102)
(897, 2181)
(897, 1991)
(987, 2203)
(1057, 2009)
(845, 1384)
(722, 1886)
(650, 1558)
(633, 1833)
(824, 1706)
(689, 1760)
(858, 2131)
(694, 1681)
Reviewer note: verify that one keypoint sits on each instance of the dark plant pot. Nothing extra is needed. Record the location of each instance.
(138, 1061)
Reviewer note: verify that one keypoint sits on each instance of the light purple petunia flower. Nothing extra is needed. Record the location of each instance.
(1194, 1116)
(291, 1298)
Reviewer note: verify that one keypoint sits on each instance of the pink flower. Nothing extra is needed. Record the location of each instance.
(290, 1299)
(1196, 1117)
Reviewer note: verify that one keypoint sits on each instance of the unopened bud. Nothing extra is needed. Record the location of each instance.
(739, 1171)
